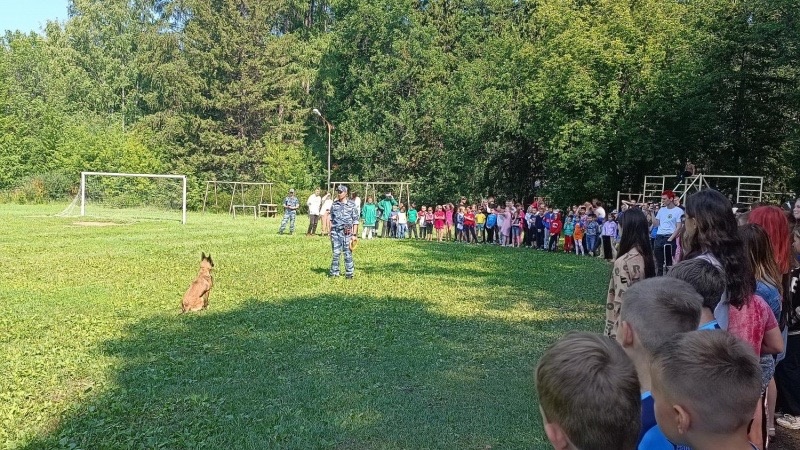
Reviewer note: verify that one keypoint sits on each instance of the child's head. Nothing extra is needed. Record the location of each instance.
(758, 249)
(592, 216)
(394, 208)
(438, 207)
(461, 209)
(577, 378)
(655, 310)
(402, 209)
(705, 383)
(369, 199)
(704, 277)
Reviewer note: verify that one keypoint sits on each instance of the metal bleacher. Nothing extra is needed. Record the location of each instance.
(741, 189)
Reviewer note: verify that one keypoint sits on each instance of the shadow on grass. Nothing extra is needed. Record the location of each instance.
(316, 372)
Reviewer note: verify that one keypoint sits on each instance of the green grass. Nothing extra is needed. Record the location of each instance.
(431, 346)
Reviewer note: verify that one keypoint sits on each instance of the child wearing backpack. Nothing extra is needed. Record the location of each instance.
(491, 226)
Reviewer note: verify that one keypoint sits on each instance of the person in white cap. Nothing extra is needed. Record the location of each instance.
(290, 206)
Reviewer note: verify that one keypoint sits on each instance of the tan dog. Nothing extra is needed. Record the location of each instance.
(196, 298)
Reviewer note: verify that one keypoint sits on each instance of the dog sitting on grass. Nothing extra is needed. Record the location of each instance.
(196, 298)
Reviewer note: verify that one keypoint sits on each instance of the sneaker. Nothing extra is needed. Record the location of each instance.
(331, 275)
(788, 421)
(349, 277)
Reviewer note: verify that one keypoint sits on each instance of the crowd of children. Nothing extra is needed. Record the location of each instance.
(582, 229)
(691, 359)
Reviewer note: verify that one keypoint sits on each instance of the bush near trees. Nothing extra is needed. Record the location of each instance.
(461, 97)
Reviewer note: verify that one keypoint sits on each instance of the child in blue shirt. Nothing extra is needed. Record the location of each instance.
(393, 216)
(491, 226)
(708, 281)
(655, 311)
(592, 230)
(706, 385)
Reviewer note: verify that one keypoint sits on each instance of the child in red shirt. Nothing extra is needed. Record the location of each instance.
(469, 226)
(438, 222)
(555, 232)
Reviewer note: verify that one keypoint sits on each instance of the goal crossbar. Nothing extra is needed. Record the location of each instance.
(132, 175)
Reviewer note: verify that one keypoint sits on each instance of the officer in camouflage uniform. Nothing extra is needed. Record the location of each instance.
(344, 215)
(290, 206)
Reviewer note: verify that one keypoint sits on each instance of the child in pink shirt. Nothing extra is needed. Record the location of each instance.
(448, 220)
(439, 218)
(505, 230)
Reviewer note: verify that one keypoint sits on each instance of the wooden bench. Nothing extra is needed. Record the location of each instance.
(234, 207)
(271, 209)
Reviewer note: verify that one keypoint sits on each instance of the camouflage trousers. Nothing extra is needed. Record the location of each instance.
(288, 216)
(341, 244)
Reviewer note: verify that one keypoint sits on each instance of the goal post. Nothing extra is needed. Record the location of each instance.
(84, 175)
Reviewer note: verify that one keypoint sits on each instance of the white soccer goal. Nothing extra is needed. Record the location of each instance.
(130, 196)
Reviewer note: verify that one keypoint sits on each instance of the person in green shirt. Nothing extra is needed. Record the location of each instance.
(412, 221)
(385, 205)
(369, 214)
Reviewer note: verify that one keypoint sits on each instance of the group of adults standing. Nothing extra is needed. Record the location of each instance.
(340, 221)
(708, 229)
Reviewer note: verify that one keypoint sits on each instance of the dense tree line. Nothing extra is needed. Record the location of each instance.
(578, 97)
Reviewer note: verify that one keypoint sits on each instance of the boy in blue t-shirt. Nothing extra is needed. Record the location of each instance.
(588, 394)
(393, 216)
(592, 230)
(706, 385)
(491, 223)
(708, 281)
(655, 311)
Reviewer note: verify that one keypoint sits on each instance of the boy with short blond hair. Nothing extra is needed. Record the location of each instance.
(705, 384)
(655, 311)
(588, 394)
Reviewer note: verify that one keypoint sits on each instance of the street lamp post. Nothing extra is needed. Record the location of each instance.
(330, 128)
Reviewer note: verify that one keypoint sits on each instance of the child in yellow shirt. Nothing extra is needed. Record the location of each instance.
(480, 222)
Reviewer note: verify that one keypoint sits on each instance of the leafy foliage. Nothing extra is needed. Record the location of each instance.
(567, 98)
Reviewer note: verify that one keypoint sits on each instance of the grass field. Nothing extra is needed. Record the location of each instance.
(431, 346)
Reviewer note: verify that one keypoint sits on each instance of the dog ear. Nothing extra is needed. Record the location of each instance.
(210, 261)
(202, 256)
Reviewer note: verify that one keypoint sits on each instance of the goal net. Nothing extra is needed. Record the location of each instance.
(130, 196)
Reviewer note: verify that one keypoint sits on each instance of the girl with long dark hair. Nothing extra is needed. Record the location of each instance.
(711, 233)
(635, 262)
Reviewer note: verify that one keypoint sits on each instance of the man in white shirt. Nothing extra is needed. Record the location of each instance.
(313, 203)
(668, 221)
